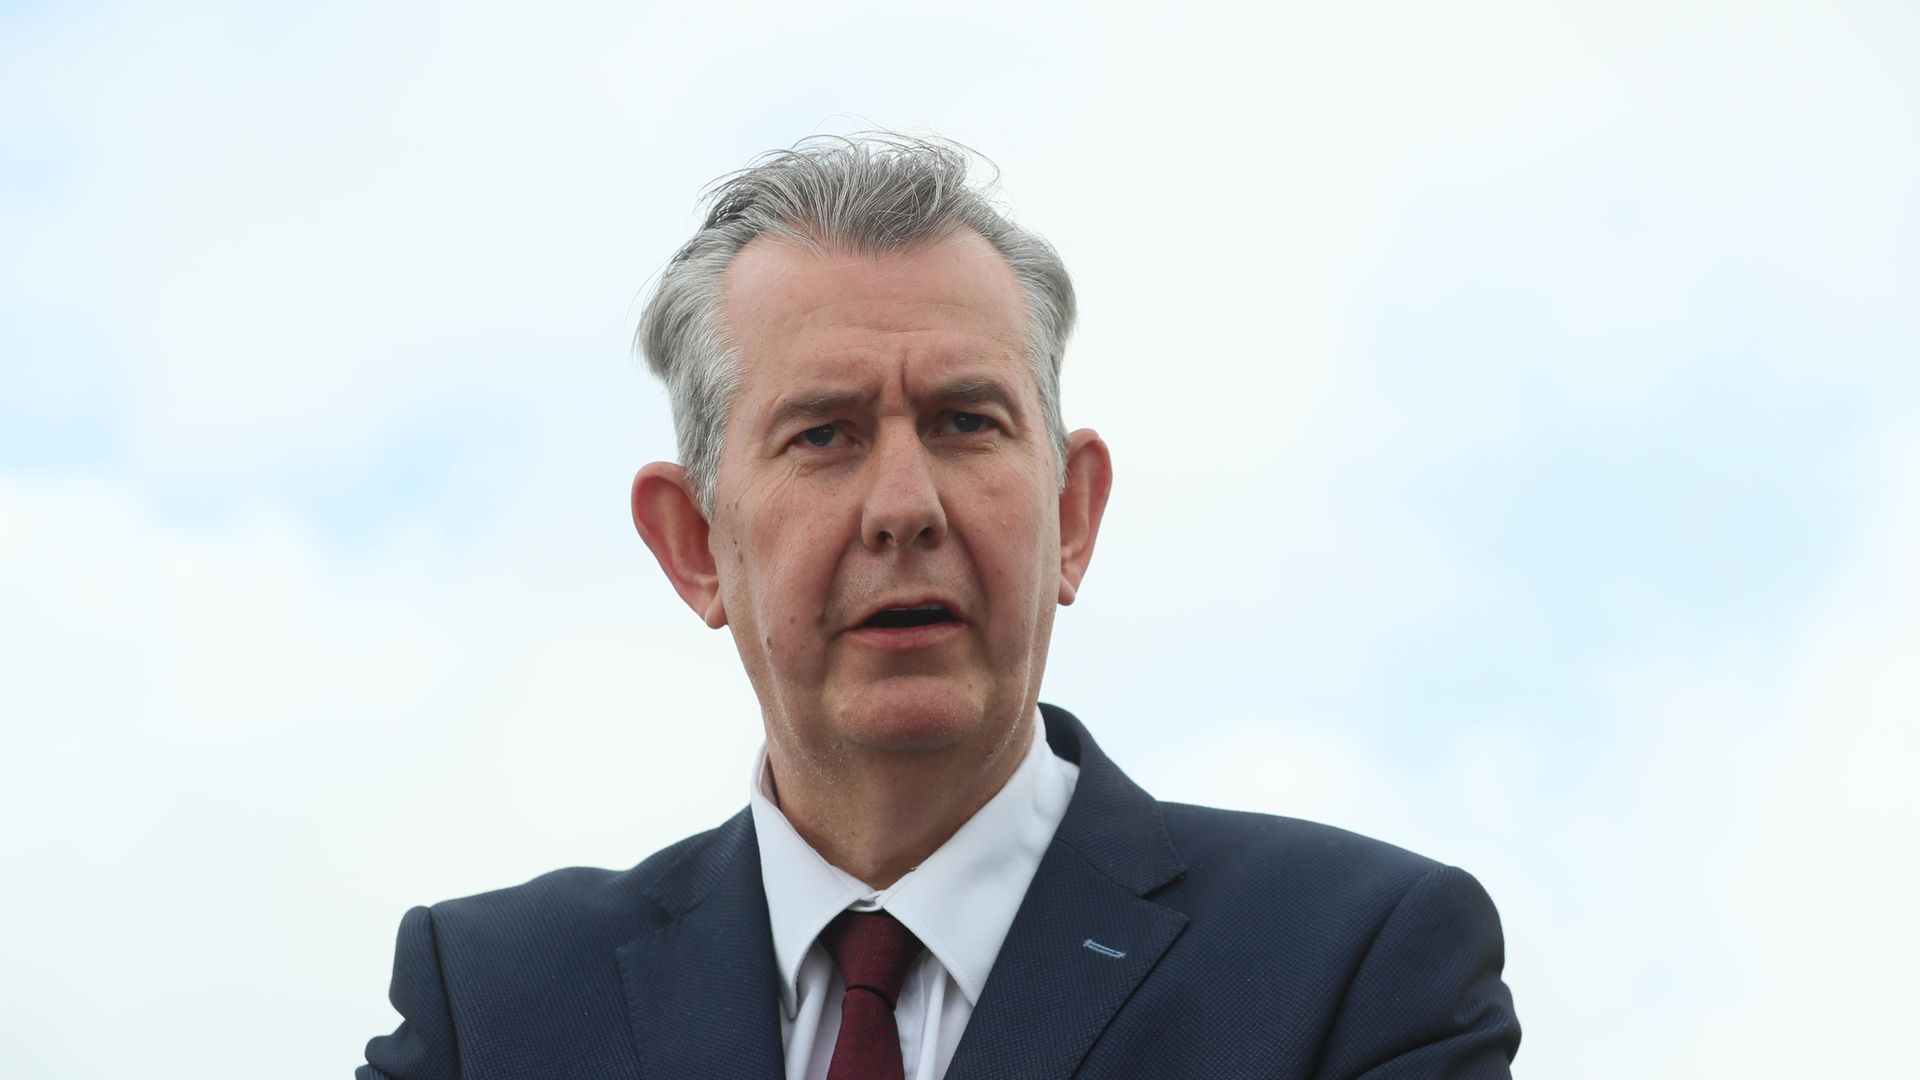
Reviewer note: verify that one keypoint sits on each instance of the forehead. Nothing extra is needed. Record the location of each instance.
(800, 316)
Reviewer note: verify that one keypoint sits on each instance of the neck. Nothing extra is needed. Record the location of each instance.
(877, 814)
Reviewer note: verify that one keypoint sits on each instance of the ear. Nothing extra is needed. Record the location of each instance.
(1082, 503)
(669, 520)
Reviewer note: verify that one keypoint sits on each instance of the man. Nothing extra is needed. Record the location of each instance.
(935, 876)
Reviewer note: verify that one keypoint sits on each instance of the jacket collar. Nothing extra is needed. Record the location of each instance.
(1086, 934)
(1112, 823)
(703, 989)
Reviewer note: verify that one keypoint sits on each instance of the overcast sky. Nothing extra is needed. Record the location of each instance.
(1514, 418)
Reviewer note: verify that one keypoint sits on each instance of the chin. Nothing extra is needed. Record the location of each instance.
(912, 713)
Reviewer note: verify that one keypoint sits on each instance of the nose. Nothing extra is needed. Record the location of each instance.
(902, 507)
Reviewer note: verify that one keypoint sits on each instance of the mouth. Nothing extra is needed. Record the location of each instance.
(906, 618)
(903, 627)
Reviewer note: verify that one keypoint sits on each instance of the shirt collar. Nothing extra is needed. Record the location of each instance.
(959, 902)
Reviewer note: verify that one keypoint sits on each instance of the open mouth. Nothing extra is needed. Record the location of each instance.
(905, 618)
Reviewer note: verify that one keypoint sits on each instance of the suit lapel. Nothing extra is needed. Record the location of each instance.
(1085, 936)
(702, 989)
(1057, 984)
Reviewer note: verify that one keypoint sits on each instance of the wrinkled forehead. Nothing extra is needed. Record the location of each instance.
(796, 313)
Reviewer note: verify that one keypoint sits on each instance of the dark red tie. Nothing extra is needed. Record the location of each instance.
(873, 952)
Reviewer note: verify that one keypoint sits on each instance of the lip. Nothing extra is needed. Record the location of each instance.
(921, 600)
(907, 638)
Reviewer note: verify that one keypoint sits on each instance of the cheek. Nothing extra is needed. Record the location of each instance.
(790, 578)
(1016, 548)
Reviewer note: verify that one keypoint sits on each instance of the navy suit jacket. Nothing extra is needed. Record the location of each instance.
(1157, 940)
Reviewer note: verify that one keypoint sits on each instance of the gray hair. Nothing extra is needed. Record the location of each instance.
(875, 192)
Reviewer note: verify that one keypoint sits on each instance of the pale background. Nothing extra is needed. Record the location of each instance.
(1513, 415)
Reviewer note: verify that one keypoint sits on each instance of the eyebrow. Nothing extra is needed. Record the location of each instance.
(970, 391)
(977, 392)
(813, 406)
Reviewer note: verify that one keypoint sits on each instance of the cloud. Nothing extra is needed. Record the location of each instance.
(1713, 867)
(1498, 399)
(228, 732)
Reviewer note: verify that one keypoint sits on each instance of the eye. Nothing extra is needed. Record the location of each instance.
(966, 423)
(821, 436)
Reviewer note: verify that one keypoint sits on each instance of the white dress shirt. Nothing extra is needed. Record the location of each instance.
(960, 903)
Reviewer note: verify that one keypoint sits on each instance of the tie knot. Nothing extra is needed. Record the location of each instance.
(872, 950)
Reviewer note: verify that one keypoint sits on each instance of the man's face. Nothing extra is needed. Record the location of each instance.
(885, 450)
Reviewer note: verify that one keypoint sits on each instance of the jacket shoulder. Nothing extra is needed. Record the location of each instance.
(1306, 864)
(1344, 955)
(603, 906)
(523, 981)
